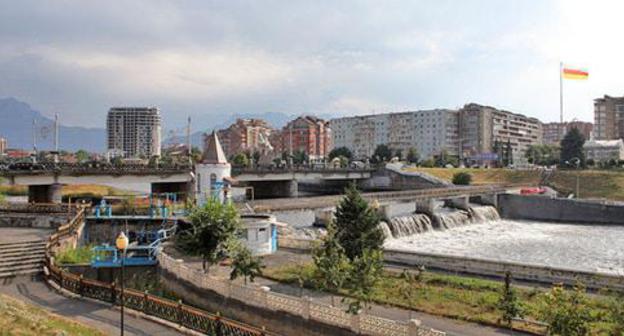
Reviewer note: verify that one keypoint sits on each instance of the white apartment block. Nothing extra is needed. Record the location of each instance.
(429, 131)
(134, 132)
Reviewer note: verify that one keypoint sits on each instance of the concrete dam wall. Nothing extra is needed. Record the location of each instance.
(542, 208)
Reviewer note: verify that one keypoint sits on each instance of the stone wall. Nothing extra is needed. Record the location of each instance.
(519, 271)
(543, 208)
(29, 220)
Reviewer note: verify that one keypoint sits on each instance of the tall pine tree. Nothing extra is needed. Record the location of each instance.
(357, 225)
(572, 147)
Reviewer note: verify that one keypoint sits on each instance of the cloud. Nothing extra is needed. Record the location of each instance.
(210, 58)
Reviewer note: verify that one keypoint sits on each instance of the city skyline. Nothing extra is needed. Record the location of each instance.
(206, 60)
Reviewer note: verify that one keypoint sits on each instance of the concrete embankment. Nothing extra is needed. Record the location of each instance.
(496, 268)
(541, 208)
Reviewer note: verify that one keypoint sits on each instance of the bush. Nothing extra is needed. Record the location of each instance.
(429, 163)
(79, 255)
(462, 178)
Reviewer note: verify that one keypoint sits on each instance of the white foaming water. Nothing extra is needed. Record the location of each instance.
(408, 225)
(594, 248)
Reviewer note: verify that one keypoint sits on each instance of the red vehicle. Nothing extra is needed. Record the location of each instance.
(532, 191)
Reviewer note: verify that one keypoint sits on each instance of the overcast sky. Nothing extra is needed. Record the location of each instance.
(211, 58)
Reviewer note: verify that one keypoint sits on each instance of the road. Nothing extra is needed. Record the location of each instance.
(98, 315)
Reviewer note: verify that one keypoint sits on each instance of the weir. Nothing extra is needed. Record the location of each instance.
(407, 225)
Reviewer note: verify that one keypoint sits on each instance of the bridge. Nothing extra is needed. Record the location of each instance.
(422, 197)
(45, 181)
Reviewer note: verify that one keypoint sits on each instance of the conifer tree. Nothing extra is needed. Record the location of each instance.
(357, 225)
(509, 304)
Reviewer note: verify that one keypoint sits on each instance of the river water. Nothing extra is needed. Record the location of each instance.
(595, 248)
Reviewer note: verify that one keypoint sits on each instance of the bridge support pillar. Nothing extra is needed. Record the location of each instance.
(459, 203)
(490, 199)
(45, 193)
(425, 206)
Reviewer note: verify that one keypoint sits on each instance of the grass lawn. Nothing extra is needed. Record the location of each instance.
(459, 297)
(19, 318)
(593, 183)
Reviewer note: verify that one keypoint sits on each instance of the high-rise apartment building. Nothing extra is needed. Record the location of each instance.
(252, 135)
(308, 134)
(429, 131)
(554, 132)
(481, 127)
(609, 118)
(134, 132)
(3, 146)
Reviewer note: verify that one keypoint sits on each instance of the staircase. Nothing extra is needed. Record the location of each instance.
(21, 258)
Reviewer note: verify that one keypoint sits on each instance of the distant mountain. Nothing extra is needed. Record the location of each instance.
(16, 124)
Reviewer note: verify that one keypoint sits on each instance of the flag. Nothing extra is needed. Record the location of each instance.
(575, 74)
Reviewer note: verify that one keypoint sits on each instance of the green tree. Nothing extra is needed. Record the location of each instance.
(117, 161)
(399, 154)
(256, 157)
(572, 147)
(566, 312)
(357, 224)
(382, 154)
(412, 155)
(366, 270)
(82, 155)
(299, 157)
(213, 229)
(244, 263)
(332, 265)
(341, 152)
(196, 154)
(429, 163)
(240, 159)
(462, 178)
(509, 304)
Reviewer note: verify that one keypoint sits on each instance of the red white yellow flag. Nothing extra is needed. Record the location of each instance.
(575, 74)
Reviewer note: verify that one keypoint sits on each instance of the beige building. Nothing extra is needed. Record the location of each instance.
(554, 132)
(480, 127)
(609, 118)
(604, 150)
(134, 132)
(246, 135)
(429, 131)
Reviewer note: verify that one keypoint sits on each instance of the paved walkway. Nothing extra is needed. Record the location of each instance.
(97, 315)
(451, 326)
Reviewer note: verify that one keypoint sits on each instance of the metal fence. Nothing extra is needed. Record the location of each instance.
(176, 312)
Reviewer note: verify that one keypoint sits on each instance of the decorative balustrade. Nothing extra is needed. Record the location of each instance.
(363, 323)
(186, 316)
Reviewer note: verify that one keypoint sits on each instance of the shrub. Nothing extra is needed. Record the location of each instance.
(462, 178)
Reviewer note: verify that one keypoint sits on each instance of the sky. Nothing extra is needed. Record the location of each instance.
(207, 59)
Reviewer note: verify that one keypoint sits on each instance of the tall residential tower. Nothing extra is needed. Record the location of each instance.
(133, 132)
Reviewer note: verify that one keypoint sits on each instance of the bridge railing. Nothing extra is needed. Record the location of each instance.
(100, 168)
(299, 169)
(176, 312)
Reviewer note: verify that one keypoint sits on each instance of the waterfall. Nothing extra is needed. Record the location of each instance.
(386, 230)
(449, 220)
(484, 213)
(403, 226)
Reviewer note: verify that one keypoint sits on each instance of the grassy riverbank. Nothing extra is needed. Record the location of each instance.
(607, 184)
(19, 318)
(458, 297)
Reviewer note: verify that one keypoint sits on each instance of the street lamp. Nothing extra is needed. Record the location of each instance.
(122, 244)
(577, 162)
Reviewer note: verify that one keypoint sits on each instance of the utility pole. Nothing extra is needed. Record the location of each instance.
(561, 92)
(56, 138)
(34, 139)
(290, 145)
(188, 141)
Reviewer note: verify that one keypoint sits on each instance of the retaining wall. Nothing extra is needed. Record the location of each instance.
(27, 220)
(496, 268)
(544, 208)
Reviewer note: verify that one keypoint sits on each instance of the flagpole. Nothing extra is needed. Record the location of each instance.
(561, 92)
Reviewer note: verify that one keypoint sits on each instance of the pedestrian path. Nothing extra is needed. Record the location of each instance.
(98, 315)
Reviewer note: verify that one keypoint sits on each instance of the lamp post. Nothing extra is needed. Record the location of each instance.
(577, 162)
(122, 244)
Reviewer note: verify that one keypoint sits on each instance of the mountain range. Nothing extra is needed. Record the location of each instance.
(16, 124)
